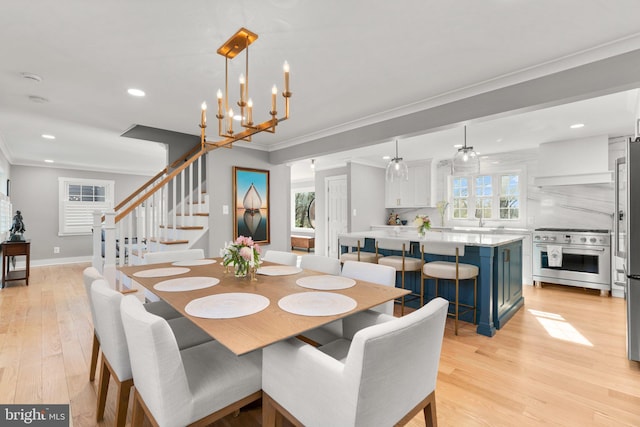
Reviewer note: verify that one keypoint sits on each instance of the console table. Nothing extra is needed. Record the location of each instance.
(306, 242)
(10, 249)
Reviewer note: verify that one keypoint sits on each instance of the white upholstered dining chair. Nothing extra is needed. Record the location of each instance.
(383, 376)
(173, 256)
(194, 386)
(115, 354)
(160, 308)
(323, 264)
(281, 257)
(374, 273)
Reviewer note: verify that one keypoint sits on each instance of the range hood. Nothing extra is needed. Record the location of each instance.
(574, 162)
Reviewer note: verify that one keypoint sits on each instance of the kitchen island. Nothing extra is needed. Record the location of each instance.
(498, 256)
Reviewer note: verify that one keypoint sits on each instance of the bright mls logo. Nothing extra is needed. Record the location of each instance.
(34, 415)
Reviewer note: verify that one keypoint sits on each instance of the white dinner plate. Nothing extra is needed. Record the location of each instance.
(192, 262)
(227, 306)
(326, 282)
(317, 303)
(186, 284)
(278, 270)
(162, 272)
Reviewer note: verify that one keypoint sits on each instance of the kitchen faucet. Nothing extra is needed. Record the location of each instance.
(480, 222)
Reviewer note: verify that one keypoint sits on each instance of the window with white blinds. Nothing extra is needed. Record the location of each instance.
(79, 198)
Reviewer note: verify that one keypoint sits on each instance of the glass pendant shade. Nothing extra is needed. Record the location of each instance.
(465, 161)
(397, 170)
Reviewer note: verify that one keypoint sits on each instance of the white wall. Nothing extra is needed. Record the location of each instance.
(34, 191)
(220, 165)
(366, 196)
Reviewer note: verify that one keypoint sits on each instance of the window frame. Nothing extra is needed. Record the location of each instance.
(83, 223)
(496, 184)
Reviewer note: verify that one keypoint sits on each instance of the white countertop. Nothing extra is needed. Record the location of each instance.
(468, 239)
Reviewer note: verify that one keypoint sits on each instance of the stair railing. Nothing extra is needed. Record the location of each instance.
(143, 219)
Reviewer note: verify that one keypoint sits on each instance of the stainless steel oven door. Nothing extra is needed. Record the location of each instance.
(588, 267)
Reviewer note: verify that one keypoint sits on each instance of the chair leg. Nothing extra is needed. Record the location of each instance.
(475, 300)
(122, 403)
(102, 389)
(95, 349)
(402, 299)
(430, 415)
(457, 306)
(271, 417)
(137, 415)
(421, 293)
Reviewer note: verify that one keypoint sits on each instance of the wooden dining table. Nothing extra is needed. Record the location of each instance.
(272, 324)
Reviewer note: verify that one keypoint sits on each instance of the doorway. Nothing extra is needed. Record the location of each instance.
(336, 211)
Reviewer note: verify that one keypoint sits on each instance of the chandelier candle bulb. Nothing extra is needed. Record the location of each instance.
(285, 68)
(250, 112)
(230, 121)
(274, 92)
(203, 115)
(219, 96)
(242, 90)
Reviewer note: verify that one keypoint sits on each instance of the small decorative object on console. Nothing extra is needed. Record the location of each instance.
(17, 228)
(423, 223)
(243, 254)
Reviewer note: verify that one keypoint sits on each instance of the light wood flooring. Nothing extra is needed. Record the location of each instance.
(560, 361)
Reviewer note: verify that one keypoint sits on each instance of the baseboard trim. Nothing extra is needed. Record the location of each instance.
(53, 261)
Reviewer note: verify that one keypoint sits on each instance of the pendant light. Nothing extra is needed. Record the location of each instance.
(397, 170)
(466, 161)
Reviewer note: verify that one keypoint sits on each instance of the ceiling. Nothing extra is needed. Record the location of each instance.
(352, 64)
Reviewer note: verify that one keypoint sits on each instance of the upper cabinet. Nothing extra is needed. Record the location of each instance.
(417, 192)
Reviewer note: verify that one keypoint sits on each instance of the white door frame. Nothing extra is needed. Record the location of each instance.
(335, 202)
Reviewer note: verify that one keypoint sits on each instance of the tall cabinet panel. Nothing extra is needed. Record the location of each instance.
(414, 193)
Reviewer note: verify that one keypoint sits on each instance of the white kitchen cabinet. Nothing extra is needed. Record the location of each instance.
(417, 192)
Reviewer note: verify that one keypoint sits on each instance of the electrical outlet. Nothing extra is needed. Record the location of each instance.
(225, 209)
(56, 249)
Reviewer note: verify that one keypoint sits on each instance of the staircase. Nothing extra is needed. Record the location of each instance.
(169, 212)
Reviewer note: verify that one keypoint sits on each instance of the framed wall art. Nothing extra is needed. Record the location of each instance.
(251, 216)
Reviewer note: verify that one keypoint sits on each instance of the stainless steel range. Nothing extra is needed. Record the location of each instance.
(574, 257)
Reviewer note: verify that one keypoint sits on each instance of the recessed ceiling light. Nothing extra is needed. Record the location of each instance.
(499, 140)
(47, 136)
(484, 157)
(577, 126)
(386, 157)
(457, 146)
(135, 92)
(48, 161)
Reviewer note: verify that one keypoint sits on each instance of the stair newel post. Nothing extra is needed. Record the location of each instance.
(96, 260)
(199, 178)
(109, 227)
